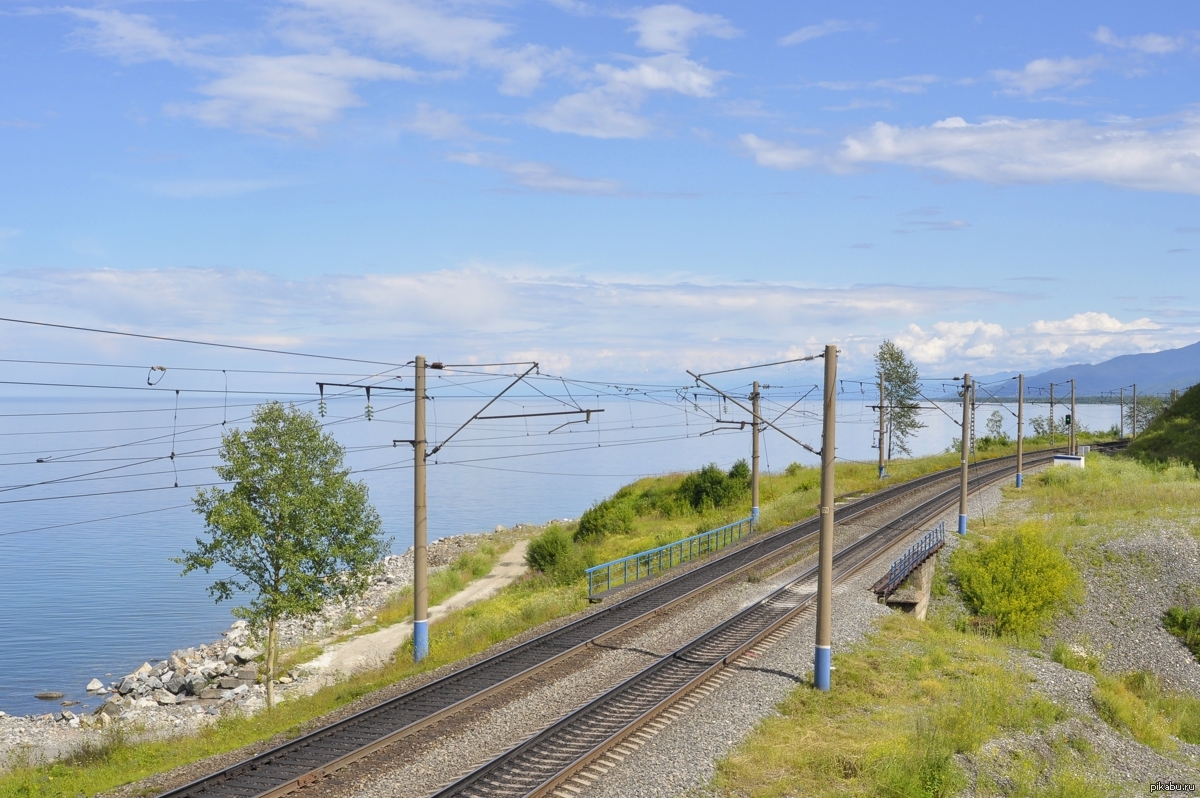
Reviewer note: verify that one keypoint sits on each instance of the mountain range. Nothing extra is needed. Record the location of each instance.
(1153, 372)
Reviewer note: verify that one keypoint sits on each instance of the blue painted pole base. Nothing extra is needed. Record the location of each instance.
(962, 525)
(420, 640)
(753, 515)
(1019, 480)
(821, 668)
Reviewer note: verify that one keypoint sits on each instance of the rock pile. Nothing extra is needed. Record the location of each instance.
(195, 679)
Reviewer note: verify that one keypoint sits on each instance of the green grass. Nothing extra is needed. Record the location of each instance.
(905, 701)
(1175, 435)
(1184, 623)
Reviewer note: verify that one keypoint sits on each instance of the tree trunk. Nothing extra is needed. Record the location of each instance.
(270, 676)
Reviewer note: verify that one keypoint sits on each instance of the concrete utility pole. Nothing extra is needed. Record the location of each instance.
(1122, 420)
(821, 657)
(966, 430)
(1072, 448)
(1020, 428)
(420, 520)
(754, 458)
(1133, 432)
(882, 426)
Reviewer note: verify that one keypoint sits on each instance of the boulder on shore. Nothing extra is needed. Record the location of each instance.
(95, 685)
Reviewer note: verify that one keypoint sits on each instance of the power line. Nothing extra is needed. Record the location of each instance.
(200, 343)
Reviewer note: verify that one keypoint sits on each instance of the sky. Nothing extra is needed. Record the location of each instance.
(615, 190)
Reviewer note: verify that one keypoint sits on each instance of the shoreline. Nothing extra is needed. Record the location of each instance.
(192, 687)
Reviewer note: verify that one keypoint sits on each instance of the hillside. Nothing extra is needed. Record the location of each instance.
(1154, 373)
(1176, 434)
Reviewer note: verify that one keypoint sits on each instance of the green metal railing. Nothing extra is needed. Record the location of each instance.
(647, 563)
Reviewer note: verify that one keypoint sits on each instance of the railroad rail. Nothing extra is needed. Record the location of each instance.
(308, 758)
(538, 766)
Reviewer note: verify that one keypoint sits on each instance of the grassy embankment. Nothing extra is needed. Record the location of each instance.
(650, 512)
(912, 695)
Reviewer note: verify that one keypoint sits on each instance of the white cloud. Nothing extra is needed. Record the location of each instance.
(909, 84)
(296, 92)
(609, 110)
(255, 92)
(430, 30)
(1130, 154)
(776, 156)
(1043, 342)
(8, 232)
(1048, 73)
(669, 28)
(1153, 43)
(810, 32)
(438, 123)
(540, 176)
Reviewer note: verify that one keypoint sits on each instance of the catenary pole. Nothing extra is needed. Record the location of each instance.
(1122, 420)
(1051, 415)
(754, 425)
(1133, 432)
(1072, 446)
(882, 427)
(1020, 428)
(821, 657)
(966, 431)
(420, 520)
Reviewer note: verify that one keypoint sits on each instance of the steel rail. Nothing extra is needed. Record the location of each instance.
(301, 761)
(539, 765)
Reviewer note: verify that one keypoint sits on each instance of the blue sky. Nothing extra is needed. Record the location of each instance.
(613, 189)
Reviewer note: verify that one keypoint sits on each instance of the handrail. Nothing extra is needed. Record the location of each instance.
(912, 557)
(646, 563)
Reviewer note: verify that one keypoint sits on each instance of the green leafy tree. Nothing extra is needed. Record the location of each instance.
(901, 393)
(294, 528)
(1149, 408)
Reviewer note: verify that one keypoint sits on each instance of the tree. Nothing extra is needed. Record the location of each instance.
(295, 529)
(1149, 407)
(995, 426)
(901, 393)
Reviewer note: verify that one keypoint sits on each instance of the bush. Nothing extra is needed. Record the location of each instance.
(1184, 623)
(1017, 580)
(548, 549)
(712, 487)
(608, 517)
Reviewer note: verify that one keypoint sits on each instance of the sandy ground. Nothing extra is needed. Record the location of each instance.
(375, 649)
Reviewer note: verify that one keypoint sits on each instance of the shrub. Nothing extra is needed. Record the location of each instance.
(611, 516)
(712, 487)
(548, 548)
(1018, 579)
(1184, 623)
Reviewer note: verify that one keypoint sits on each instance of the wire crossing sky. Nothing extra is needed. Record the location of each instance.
(615, 190)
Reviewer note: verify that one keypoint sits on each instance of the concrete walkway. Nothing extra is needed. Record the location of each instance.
(375, 649)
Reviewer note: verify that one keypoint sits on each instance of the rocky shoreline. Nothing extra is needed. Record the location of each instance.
(192, 687)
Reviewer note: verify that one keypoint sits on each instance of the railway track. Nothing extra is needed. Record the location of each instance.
(539, 765)
(309, 758)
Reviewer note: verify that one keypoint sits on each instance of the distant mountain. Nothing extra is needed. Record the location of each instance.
(1154, 373)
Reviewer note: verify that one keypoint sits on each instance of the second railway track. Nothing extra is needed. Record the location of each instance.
(307, 759)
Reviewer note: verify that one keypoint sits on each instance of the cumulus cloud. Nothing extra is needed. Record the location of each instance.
(1147, 155)
(669, 28)
(1152, 43)
(540, 176)
(810, 32)
(1048, 73)
(1043, 342)
(777, 156)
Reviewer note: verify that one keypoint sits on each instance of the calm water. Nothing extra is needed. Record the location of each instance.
(82, 600)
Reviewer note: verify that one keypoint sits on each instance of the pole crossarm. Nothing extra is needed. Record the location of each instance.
(756, 416)
(756, 366)
(532, 415)
(367, 387)
(493, 400)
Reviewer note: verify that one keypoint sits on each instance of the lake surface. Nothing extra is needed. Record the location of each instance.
(84, 597)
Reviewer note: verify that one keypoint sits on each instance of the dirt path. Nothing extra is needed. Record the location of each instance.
(375, 649)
